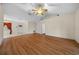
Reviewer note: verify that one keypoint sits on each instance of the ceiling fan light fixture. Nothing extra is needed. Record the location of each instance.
(40, 11)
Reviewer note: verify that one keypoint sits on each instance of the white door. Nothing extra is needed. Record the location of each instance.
(43, 28)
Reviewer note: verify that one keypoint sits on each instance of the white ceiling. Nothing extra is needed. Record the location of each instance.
(53, 8)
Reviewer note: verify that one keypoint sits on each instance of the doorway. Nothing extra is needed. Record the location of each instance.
(43, 29)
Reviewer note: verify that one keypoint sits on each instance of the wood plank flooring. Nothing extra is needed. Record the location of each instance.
(38, 44)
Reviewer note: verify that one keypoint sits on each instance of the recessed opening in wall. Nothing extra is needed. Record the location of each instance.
(8, 26)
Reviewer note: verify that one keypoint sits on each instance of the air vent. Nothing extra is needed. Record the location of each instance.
(57, 14)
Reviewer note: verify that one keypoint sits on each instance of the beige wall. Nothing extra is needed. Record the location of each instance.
(1, 24)
(60, 26)
(77, 26)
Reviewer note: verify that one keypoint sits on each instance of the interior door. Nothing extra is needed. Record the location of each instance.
(43, 29)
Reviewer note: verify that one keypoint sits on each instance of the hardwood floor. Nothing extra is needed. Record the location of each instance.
(39, 44)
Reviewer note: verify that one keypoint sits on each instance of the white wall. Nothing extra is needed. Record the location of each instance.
(60, 26)
(20, 30)
(28, 27)
(77, 26)
(16, 30)
(31, 26)
(1, 24)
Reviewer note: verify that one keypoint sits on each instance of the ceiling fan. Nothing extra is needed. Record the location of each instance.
(39, 10)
